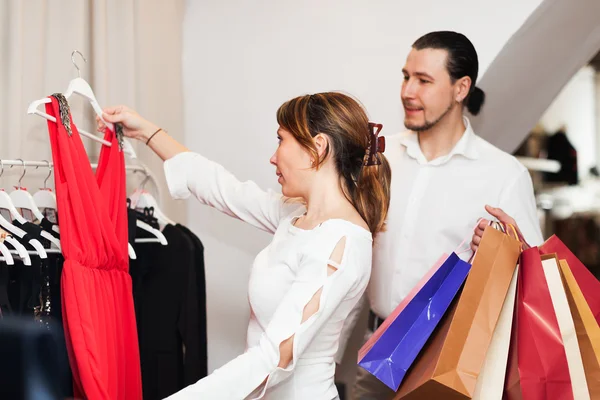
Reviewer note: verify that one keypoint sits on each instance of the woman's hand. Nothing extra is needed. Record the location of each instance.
(500, 216)
(134, 126)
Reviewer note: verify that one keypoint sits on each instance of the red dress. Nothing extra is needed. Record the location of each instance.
(97, 299)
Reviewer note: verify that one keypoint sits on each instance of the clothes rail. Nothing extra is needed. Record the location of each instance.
(45, 164)
(41, 164)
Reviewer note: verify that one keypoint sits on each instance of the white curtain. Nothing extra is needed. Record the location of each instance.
(133, 51)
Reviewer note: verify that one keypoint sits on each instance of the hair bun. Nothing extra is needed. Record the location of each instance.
(475, 101)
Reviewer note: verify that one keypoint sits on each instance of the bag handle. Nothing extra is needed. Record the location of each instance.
(502, 227)
(459, 250)
(518, 236)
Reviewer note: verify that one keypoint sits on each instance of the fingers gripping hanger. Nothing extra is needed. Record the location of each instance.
(22, 199)
(6, 203)
(81, 87)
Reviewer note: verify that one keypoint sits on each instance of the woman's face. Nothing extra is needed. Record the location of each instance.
(292, 165)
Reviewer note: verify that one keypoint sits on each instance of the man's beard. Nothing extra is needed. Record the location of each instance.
(427, 125)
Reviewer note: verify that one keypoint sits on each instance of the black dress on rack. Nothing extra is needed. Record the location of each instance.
(34, 292)
(170, 303)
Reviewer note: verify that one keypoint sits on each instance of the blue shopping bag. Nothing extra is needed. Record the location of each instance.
(402, 336)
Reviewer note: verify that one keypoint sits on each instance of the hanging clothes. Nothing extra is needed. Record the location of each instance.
(97, 303)
(34, 292)
(170, 301)
(198, 366)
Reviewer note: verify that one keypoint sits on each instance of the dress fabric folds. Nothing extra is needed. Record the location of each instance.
(96, 289)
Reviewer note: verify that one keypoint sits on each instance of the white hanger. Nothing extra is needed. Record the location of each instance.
(81, 87)
(6, 202)
(45, 197)
(8, 258)
(160, 238)
(21, 250)
(131, 252)
(21, 198)
(141, 199)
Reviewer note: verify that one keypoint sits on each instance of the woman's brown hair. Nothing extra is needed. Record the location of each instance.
(344, 121)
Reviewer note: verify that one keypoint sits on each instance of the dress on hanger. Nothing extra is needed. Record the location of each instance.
(97, 302)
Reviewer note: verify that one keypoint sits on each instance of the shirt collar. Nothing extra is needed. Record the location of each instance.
(465, 147)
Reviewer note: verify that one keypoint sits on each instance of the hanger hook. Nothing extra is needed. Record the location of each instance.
(146, 178)
(23, 174)
(2, 167)
(49, 174)
(74, 63)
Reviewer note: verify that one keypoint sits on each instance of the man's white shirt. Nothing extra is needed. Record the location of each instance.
(435, 205)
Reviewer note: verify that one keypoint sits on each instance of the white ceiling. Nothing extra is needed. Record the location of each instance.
(558, 38)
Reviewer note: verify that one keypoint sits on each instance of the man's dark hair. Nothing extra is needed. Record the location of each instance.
(462, 61)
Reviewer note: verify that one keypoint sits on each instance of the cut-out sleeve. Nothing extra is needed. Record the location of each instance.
(251, 374)
(191, 173)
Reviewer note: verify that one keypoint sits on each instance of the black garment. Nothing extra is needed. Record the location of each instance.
(31, 285)
(34, 292)
(171, 323)
(5, 306)
(198, 273)
(49, 227)
(561, 149)
(31, 368)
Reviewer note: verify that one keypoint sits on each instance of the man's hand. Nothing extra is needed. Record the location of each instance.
(500, 216)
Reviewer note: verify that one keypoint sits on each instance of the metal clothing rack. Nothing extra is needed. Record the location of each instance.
(148, 176)
(46, 164)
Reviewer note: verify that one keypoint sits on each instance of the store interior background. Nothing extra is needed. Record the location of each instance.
(213, 74)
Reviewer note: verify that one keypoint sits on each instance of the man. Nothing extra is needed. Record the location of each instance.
(443, 175)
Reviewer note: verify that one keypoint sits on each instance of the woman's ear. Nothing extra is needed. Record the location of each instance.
(321, 143)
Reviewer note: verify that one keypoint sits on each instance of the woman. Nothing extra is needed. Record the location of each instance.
(336, 190)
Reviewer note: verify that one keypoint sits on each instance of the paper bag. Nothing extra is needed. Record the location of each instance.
(567, 327)
(490, 383)
(588, 331)
(399, 342)
(456, 363)
(589, 285)
(537, 366)
(392, 317)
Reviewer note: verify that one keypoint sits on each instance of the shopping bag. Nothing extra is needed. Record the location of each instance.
(589, 285)
(454, 365)
(400, 341)
(512, 382)
(392, 317)
(537, 366)
(566, 325)
(490, 383)
(587, 329)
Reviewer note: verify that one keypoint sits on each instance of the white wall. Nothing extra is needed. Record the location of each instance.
(242, 60)
(575, 108)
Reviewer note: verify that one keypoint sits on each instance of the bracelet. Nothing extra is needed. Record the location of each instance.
(151, 136)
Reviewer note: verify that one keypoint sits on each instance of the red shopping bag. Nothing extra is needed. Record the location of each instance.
(538, 367)
(589, 285)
